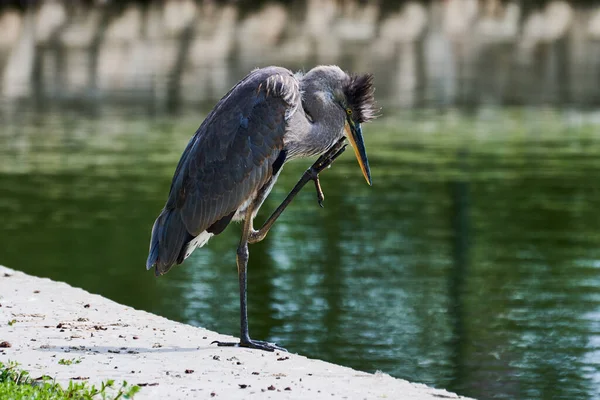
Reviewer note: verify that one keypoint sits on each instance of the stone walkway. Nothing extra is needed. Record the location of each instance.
(52, 321)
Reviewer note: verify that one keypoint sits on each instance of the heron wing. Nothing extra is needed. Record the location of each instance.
(231, 155)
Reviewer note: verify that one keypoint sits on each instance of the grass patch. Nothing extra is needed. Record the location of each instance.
(66, 361)
(16, 384)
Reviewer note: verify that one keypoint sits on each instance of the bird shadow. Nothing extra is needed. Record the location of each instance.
(124, 350)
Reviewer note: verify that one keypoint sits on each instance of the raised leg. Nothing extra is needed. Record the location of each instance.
(242, 265)
(311, 174)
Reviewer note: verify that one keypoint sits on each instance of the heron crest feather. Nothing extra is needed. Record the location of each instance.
(360, 94)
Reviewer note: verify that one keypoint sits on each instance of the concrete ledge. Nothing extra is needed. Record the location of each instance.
(55, 321)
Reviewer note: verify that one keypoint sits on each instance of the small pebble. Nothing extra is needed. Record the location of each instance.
(271, 387)
(189, 371)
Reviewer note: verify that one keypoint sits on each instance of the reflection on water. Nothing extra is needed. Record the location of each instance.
(471, 264)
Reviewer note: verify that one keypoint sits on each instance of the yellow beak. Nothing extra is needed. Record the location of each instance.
(354, 135)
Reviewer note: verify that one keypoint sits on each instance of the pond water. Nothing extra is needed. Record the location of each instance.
(471, 263)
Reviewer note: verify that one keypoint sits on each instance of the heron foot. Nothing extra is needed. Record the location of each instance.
(323, 162)
(320, 195)
(251, 344)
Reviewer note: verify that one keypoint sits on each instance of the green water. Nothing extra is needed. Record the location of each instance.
(471, 264)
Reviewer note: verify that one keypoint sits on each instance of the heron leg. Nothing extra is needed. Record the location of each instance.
(249, 235)
(311, 174)
(242, 265)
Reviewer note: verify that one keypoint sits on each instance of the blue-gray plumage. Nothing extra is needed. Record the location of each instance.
(231, 163)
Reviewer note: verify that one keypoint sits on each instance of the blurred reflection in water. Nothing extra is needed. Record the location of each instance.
(168, 53)
(471, 264)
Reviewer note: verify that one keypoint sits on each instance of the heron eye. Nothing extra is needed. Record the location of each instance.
(348, 111)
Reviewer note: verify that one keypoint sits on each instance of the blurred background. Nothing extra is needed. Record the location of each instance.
(473, 262)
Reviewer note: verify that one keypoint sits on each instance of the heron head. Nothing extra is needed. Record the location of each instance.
(358, 101)
(348, 97)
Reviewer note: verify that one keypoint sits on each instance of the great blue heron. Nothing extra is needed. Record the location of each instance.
(231, 163)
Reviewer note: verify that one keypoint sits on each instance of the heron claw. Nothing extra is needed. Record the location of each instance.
(320, 195)
(251, 344)
(323, 162)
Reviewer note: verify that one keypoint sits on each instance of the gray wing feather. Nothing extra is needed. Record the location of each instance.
(227, 160)
(229, 157)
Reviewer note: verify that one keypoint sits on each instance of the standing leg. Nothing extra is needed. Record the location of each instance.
(249, 235)
(242, 265)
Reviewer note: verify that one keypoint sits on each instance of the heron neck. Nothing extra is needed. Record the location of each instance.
(308, 139)
(326, 131)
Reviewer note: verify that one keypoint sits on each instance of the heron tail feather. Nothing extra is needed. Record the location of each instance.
(169, 237)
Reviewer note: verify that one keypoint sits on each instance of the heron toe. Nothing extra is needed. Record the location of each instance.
(252, 344)
(329, 157)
